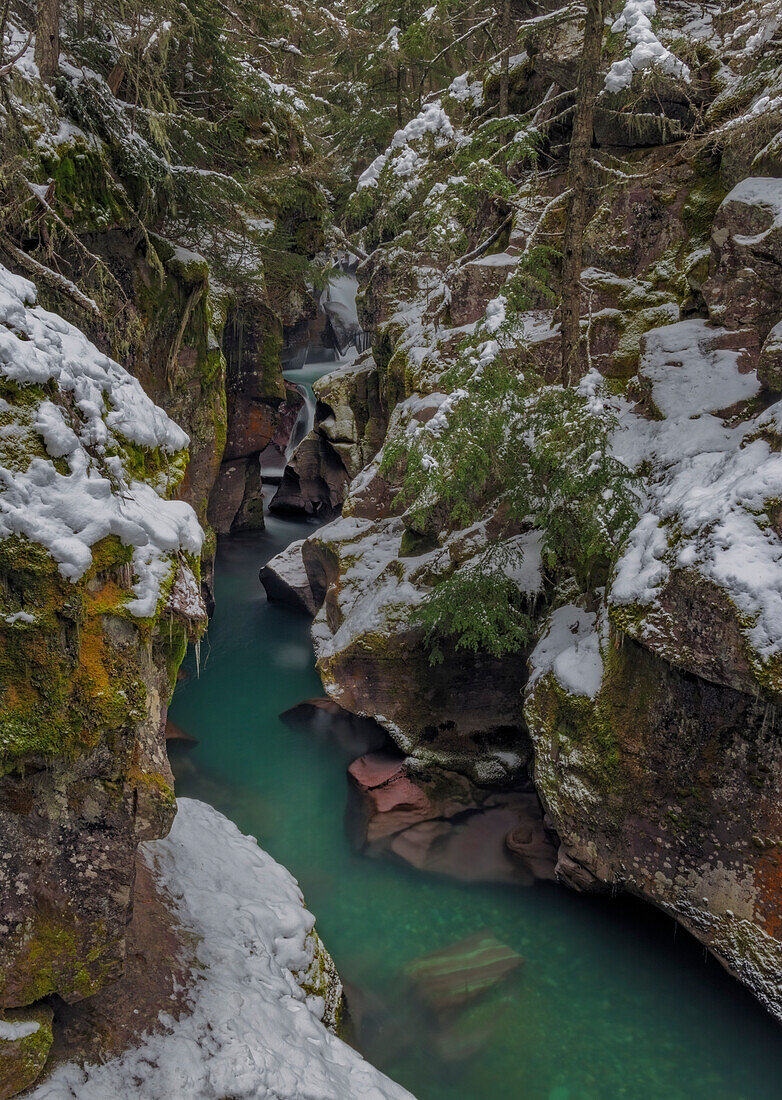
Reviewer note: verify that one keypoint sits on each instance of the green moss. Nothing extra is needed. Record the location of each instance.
(21, 1060)
(413, 544)
(63, 682)
(703, 200)
(173, 640)
(52, 955)
(84, 193)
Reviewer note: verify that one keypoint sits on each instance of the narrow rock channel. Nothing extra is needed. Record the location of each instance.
(608, 1001)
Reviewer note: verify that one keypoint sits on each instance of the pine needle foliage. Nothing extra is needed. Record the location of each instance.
(504, 443)
(479, 608)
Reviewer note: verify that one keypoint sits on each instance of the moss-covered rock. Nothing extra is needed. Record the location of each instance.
(96, 605)
(25, 1039)
(663, 785)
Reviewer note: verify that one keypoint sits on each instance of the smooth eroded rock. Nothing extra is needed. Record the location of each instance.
(285, 579)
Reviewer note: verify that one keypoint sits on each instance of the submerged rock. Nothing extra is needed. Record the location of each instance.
(462, 972)
(440, 822)
(176, 733)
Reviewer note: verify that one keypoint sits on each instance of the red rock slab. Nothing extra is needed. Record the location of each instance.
(393, 800)
(472, 849)
(462, 972)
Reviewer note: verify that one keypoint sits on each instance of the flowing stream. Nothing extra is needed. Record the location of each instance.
(319, 361)
(610, 1001)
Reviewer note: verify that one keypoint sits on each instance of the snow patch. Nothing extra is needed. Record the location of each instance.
(251, 1028)
(102, 410)
(570, 649)
(433, 121)
(648, 51)
(11, 1032)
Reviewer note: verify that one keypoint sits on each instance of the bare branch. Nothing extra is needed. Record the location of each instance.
(5, 70)
(52, 278)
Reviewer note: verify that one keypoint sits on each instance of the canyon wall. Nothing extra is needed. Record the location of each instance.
(580, 583)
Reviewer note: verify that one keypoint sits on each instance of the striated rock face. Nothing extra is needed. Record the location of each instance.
(350, 413)
(99, 595)
(261, 410)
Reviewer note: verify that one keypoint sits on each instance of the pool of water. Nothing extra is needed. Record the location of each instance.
(610, 1001)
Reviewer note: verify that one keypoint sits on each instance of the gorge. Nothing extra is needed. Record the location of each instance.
(390, 413)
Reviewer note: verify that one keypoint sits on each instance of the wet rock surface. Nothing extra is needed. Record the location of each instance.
(440, 822)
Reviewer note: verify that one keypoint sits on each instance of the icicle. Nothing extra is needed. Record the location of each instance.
(198, 658)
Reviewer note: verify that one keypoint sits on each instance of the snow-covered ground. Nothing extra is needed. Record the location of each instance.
(252, 1030)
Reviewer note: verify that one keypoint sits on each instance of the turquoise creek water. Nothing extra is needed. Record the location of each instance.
(610, 1001)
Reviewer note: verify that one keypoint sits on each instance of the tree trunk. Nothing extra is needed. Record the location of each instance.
(505, 33)
(47, 38)
(579, 180)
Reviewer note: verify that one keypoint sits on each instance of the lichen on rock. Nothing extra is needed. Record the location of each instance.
(99, 569)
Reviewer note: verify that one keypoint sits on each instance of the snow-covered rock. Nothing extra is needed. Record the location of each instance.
(745, 286)
(263, 987)
(82, 484)
(709, 521)
(285, 578)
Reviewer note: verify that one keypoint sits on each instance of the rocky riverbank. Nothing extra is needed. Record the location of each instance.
(627, 523)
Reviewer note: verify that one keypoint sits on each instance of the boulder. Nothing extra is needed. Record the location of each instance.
(285, 578)
(314, 481)
(464, 714)
(745, 285)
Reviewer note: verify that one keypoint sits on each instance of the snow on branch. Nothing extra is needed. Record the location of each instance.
(648, 51)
